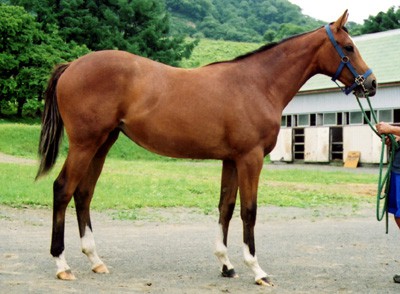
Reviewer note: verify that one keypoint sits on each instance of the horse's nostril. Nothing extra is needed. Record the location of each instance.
(374, 84)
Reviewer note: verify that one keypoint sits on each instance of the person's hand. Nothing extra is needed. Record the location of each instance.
(383, 128)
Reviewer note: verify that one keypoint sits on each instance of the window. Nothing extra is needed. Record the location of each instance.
(339, 118)
(356, 118)
(396, 115)
(385, 115)
(283, 121)
(329, 119)
(313, 119)
(289, 121)
(303, 120)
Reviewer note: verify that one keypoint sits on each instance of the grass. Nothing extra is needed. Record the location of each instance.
(134, 178)
(208, 51)
(129, 185)
(22, 139)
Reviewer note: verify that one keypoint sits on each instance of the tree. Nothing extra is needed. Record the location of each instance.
(27, 56)
(287, 30)
(238, 20)
(139, 26)
(382, 21)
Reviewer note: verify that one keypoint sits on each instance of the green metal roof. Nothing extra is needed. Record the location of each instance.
(381, 51)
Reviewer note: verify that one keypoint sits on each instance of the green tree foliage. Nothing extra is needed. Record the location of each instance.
(194, 9)
(244, 20)
(382, 21)
(139, 26)
(27, 56)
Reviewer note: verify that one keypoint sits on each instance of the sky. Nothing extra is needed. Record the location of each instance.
(331, 10)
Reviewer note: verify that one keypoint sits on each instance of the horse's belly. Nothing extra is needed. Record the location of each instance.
(167, 140)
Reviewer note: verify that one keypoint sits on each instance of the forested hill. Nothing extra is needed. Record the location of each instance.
(239, 20)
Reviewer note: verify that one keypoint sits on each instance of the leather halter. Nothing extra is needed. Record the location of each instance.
(345, 61)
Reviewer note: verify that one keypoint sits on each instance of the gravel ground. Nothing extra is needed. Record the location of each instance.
(305, 251)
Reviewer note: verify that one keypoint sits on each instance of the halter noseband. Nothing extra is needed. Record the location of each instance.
(345, 61)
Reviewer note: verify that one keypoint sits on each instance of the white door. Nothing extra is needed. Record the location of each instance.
(316, 144)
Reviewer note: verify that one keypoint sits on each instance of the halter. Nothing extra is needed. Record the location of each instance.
(345, 61)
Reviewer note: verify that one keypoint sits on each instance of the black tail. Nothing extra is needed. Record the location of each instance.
(52, 125)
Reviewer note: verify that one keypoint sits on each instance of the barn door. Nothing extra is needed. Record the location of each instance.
(316, 144)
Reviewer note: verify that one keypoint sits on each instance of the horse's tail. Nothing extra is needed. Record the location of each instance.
(52, 125)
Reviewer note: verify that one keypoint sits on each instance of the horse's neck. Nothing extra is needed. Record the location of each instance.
(283, 69)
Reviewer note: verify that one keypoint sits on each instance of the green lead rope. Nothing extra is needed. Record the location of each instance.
(384, 179)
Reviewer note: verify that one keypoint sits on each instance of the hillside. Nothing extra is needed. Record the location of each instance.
(208, 51)
(244, 21)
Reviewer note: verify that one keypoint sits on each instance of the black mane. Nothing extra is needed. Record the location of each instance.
(261, 49)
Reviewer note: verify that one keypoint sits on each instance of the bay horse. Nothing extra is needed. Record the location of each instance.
(230, 111)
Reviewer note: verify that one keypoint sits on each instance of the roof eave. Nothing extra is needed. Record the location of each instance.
(335, 89)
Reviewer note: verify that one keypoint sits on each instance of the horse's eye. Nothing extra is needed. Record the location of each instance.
(349, 48)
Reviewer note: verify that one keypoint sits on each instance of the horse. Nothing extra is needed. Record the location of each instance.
(229, 111)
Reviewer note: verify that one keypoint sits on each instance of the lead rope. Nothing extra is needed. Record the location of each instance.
(383, 181)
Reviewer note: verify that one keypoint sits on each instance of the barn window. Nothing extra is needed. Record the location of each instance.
(385, 115)
(356, 118)
(329, 119)
(396, 115)
(283, 121)
(289, 121)
(339, 118)
(303, 120)
(313, 119)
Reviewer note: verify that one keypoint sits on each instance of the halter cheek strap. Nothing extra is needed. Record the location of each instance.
(345, 61)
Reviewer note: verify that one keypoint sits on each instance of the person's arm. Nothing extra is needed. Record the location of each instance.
(385, 128)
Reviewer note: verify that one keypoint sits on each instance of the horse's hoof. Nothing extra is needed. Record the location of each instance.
(66, 276)
(229, 273)
(100, 269)
(266, 281)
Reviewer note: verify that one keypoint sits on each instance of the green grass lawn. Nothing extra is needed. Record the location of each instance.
(134, 178)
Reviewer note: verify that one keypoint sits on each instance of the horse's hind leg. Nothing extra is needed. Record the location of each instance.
(83, 196)
(229, 187)
(74, 169)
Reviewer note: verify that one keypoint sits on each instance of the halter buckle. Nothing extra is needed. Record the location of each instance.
(345, 59)
(360, 80)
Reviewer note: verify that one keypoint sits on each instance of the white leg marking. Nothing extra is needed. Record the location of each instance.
(252, 262)
(61, 263)
(89, 248)
(220, 249)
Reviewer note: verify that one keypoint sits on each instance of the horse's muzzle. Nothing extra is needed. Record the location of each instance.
(367, 87)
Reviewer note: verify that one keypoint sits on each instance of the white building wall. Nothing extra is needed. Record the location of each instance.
(284, 146)
(388, 97)
(361, 138)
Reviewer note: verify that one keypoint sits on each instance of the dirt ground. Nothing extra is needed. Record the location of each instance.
(304, 250)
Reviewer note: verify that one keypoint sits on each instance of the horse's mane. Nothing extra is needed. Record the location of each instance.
(263, 48)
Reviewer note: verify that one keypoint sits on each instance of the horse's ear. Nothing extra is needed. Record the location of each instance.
(341, 21)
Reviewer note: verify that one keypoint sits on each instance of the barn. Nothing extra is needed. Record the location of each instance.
(323, 125)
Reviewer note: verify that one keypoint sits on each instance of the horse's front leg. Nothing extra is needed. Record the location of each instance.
(229, 187)
(249, 169)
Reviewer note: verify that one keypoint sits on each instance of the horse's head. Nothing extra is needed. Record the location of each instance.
(342, 60)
